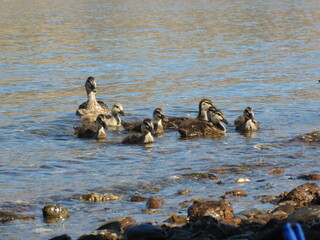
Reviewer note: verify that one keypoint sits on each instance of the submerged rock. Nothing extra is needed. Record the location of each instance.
(155, 202)
(95, 197)
(10, 216)
(218, 209)
(55, 212)
(309, 137)
(310, 176)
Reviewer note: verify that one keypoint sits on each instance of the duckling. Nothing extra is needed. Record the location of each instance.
(204, 105)
(145, 136)
(113, 119)
(197, 127)
(158, 116)
(246, 122)
(92, 105)
(91, 131)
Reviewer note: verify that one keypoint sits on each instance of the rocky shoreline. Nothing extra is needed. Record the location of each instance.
(212, 219)
(215, 219)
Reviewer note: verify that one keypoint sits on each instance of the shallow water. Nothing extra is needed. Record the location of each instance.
(148, 54)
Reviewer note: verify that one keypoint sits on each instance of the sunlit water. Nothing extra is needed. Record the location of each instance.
(148, 54)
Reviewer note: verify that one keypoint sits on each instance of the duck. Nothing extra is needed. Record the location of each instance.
(246, 122)
(113, 119)
(204, 105)
(93, 131)
(158, 117)
(196, 127)
(92, 105)
(144, 137)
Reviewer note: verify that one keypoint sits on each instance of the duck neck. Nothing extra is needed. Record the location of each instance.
(100, 133)
(220, 126)
(92, 102)
(117, 118)
(147, 137)
(202, 115)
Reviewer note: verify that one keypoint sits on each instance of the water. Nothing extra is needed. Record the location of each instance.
(148, 54)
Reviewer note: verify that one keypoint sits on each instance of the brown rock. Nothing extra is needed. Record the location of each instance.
(138, 199)
(220, 209)
(276, 171)
(183, 192)
(177, 220)
(103, 235)
(303, 194)
(155, 202)
(310, 176)
(235, 193)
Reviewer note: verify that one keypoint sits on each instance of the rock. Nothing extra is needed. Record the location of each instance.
(55, 211)
(177, 220)
(107, 234)
(155, 202)
(10, 216)
(61, 237)
(310, 176)
(95, 197)
(145, 232)
(309, 214)
(309, 137)
(220, 209)
(184, 192)
(138, 199)
(242, 180)
(235, 193)
(119, 224)
(303, 195)
(276, 171)
(253, 213)
(198, 176)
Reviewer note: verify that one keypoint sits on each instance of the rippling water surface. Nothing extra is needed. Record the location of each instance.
(148, 54)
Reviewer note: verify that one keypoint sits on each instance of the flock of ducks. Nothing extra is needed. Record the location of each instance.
(97, 117)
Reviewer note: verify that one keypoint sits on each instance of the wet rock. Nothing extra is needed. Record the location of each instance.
(107, 234)
(303, 195)
(177, 220)
(310, 176)
(145, 232)
(179, 234)
(284, 208)
(61, 237)
(309, 137)
(220, 209)
(242, 180)
(151, 211)
(95, 197)
(155, 202)
(276, 171)
(199, 176)
(138, 199)
(253, 213)
(309, 214)
(235, 193)
(55, 212)
(119, 224)
(10, 216)
(184, 192)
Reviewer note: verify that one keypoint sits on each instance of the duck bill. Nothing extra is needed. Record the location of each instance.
(163, 118)
(226, 122)
(122, 113)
